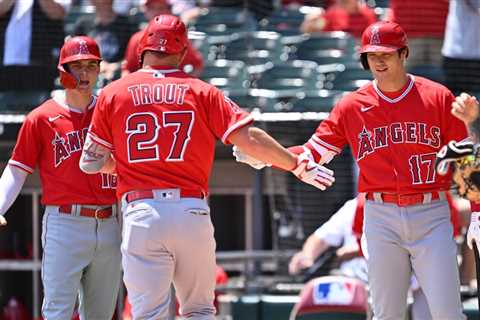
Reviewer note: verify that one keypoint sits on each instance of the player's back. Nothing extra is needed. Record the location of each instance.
(164, 127)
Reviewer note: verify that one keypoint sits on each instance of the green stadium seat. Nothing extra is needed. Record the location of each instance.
(325, 57)
(224, 20)
(22, 101)
(284, 21)
(226, 74)
(316, 101)
(348, 85)
(328, 40)
(431, 72)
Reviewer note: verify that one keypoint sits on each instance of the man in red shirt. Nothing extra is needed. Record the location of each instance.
(351, 16)
(193, 60)
(161, 125)
(395, 125)
(81, 234)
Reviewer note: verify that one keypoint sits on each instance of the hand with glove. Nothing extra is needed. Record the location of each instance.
(240, 156)
(473, 233)
(313, 173)
(450, 153)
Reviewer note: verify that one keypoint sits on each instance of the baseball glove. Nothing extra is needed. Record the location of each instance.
(467, 176)
(464, 157)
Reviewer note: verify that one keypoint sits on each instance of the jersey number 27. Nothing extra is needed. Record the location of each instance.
(143, 131)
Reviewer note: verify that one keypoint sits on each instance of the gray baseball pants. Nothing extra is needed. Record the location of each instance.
(168, 240)
(418, 239)
(81, 257)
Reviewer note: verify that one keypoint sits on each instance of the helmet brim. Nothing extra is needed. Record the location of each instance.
(378, 48)
(79, 57)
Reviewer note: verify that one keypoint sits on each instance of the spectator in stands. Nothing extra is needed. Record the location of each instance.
(193, 61)
(351, 16)
(336, 232)
(424, 23)
(461, 50)
(31, 34)
(111, 31)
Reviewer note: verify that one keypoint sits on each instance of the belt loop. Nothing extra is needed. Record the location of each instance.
(427, 197)
(442, 195)
(76, 210)
(377, 197)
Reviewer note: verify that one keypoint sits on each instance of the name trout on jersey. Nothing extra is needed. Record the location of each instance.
(170, 93)
(398, 132)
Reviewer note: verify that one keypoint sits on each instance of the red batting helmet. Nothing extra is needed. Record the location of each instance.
(75, 49)
(383, 36)
(166, 34)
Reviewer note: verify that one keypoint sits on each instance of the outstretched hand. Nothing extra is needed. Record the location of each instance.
(313, 173)
(3, 221)
(466, 108)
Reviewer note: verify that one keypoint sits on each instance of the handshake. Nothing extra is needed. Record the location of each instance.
(307, 170)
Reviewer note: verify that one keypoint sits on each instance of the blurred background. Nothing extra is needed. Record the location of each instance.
(287, 62)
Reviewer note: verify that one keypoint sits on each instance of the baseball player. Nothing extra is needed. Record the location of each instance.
(395, 125)
(467, 108)
(81, 235)
(162, 125)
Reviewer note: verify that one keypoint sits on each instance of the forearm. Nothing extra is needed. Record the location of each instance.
(259, 145)
(11, 183)
(52, 9)
(95, 158)
(5, 6)
(314, 247)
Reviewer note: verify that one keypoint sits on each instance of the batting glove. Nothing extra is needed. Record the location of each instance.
(473, 233)
(450, 153)
(313, 173)
(245, 158)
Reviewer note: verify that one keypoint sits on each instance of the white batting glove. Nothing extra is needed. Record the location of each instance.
(245, 158)
(473, 233)
(313, 173)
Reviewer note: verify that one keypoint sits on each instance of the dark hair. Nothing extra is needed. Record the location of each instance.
(364, 60)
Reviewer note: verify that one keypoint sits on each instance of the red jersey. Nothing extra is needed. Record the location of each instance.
(132, 60)
(52, 138)
(394, 137)
(162, 126)
(338, 19)
(420, 18)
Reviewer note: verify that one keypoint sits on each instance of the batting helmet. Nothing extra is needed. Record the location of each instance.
(75, 49)
(382, 36)
(166, 34)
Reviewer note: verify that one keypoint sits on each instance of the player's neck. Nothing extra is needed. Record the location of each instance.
(78, 100)
(392, 84)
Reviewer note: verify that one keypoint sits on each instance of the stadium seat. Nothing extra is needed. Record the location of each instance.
(324, 57)
(226, 74)
(21, 101)
(224, 20)
(348, 85)
(331, 297)
(284, 21)
(328, 40)
(316, 101)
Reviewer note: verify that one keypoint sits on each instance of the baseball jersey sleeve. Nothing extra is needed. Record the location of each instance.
(224, 115)
(329, 138)
(100, 128)
(27, 150)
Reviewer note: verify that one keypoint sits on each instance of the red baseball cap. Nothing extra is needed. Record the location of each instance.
(383, 36)
(149, 2)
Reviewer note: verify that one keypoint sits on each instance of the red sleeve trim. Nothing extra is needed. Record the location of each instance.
(240, 124)
(21, 166)
(100, 141)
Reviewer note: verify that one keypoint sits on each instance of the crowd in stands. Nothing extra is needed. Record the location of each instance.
(443, 38)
